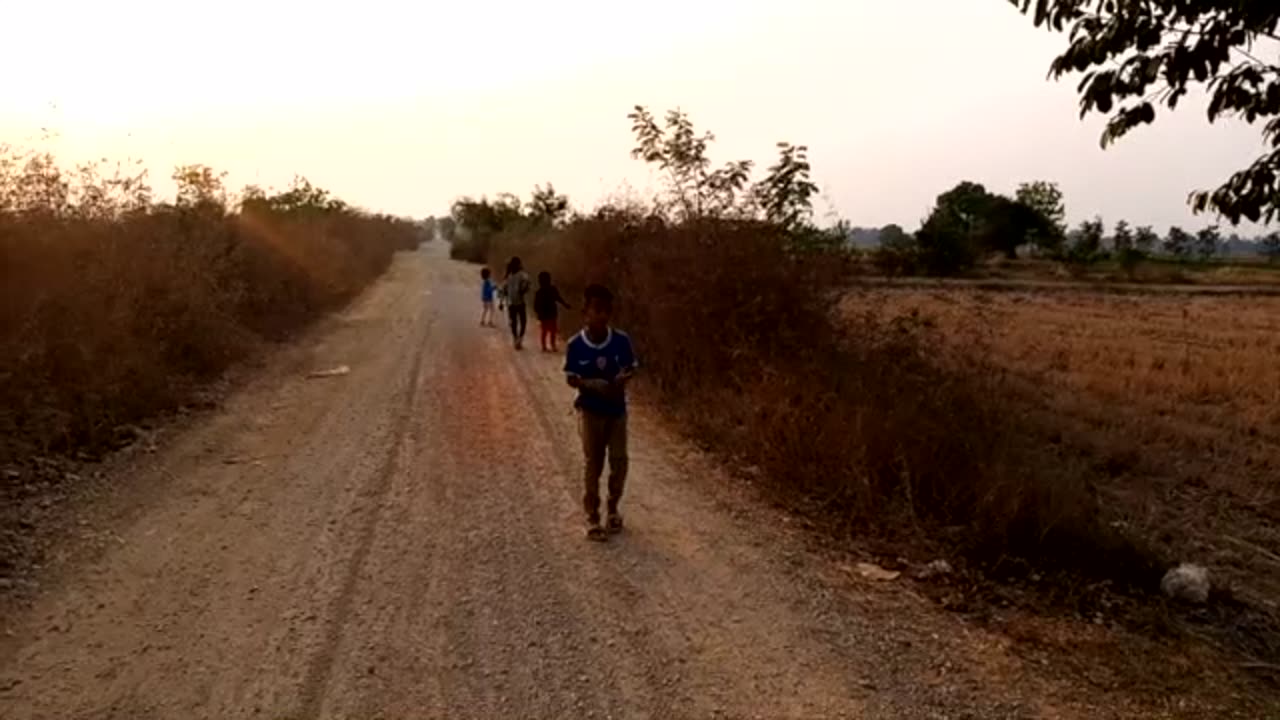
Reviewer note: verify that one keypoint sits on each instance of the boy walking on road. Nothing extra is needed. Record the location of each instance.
(546, 306)
(599, 362)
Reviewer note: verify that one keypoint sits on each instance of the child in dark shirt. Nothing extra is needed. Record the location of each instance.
(546, 306)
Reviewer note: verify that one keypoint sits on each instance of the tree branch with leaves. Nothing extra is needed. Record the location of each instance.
(1137, 55)
(784, 196)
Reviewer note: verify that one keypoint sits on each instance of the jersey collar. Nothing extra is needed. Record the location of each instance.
(608, 336)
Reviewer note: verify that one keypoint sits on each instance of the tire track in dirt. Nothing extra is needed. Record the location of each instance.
(317, 676)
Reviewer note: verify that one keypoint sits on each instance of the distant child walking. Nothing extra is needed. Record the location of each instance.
(487, 290)
(546, 306)
(599, 362)
(515, 289)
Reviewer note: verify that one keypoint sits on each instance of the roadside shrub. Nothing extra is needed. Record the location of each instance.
(113, 307)
(862, 414)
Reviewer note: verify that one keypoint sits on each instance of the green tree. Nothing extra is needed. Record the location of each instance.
(785, 195)
(1086, 246)
(477, 222)
(1178, 243)
(1145, 239)
(944, 242)
(1008, 224)
(1271, 247)
(724, 186)
(547, 206)
(893, 236)
(992, 223)
(897, 254)
(1208, 242)
(1122, 238)
(1136, 55)
(1045, 198)
(1126, 249)
(968, 203)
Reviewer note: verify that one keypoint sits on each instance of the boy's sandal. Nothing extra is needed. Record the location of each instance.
(613, 524)
(597, 533)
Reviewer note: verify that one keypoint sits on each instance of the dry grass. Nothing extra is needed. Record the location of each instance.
(1174, 402)
(113, 307)
(1249, 272)
(1194, 362)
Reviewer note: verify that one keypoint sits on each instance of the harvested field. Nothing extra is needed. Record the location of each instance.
(1175, 401)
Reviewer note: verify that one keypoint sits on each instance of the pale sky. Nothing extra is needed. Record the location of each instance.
(403, 106)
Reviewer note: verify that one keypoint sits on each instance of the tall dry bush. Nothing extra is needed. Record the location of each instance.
(871, 419)
(113, 307)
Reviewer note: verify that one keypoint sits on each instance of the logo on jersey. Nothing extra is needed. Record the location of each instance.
(602, 362)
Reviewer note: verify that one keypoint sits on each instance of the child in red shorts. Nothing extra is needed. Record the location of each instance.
(546, 306)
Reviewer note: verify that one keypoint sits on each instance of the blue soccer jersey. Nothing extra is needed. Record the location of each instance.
(600, 361)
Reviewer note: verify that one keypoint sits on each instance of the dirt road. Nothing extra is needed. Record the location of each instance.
(404, 542)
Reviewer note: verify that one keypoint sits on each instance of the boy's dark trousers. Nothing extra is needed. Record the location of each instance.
(519, 318)
(601, 435)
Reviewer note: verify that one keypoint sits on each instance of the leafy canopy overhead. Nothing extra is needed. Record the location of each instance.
(1140, 54)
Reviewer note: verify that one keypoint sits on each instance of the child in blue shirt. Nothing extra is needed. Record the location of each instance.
(487, 291)
(599, 362)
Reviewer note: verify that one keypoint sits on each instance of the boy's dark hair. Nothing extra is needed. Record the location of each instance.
(484, 272)
(597, 293)
(544, 278)
(514, 265)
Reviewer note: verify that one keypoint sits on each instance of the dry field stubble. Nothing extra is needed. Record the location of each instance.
(1174, 401)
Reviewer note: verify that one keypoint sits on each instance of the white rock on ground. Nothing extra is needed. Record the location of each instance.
(935, 568)
(1187, 582)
